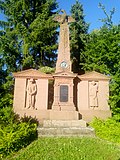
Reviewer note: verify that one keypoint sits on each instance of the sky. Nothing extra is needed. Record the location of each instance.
(91, 10)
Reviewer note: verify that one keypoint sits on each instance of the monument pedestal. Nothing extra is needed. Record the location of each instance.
(63, 115)
(64, 107)
(63, 92)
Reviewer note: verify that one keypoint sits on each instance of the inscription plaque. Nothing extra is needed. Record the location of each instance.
(63, 93)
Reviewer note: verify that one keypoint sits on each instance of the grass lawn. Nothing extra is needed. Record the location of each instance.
(73, 148)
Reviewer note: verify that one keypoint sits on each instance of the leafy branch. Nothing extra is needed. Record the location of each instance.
(108, 20)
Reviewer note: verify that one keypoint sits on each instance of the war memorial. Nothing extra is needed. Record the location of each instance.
(72, 100)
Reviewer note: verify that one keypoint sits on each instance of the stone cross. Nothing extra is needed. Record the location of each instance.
(63, 61)
(63, 18)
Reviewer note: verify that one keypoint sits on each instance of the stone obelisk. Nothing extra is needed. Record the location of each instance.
(63, 61)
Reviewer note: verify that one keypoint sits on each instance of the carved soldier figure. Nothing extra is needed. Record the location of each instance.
(93, 97)
(31, 91)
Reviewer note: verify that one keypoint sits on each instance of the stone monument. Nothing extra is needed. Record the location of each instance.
(75, 96)
(63, 84)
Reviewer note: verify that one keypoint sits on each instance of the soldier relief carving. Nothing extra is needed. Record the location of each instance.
(31, 94)
(93, 94)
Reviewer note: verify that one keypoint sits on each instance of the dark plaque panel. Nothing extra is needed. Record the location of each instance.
(63, 93)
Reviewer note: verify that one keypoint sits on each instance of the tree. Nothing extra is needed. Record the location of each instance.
(102, 54)
(78, 35)
(28, 39)
(29, 36)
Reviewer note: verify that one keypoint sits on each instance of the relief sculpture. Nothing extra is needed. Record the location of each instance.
(93, 94)
(31, 93)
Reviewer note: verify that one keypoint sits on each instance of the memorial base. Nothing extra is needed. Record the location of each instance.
(88, 115)
(63, 107)
(64, 115)
(41, 115)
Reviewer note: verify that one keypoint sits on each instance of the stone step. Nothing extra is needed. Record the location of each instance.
(63, 123)
(69, 131)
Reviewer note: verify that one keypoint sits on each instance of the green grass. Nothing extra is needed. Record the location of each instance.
(68, 149)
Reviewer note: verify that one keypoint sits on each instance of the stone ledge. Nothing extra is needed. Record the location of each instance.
(88, 115)
(66, 132)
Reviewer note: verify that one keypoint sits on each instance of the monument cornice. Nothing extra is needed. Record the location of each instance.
(65, 74)
(32, 73)
(93, 76)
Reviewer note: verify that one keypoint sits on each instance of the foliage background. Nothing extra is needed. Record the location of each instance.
(29, 39)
